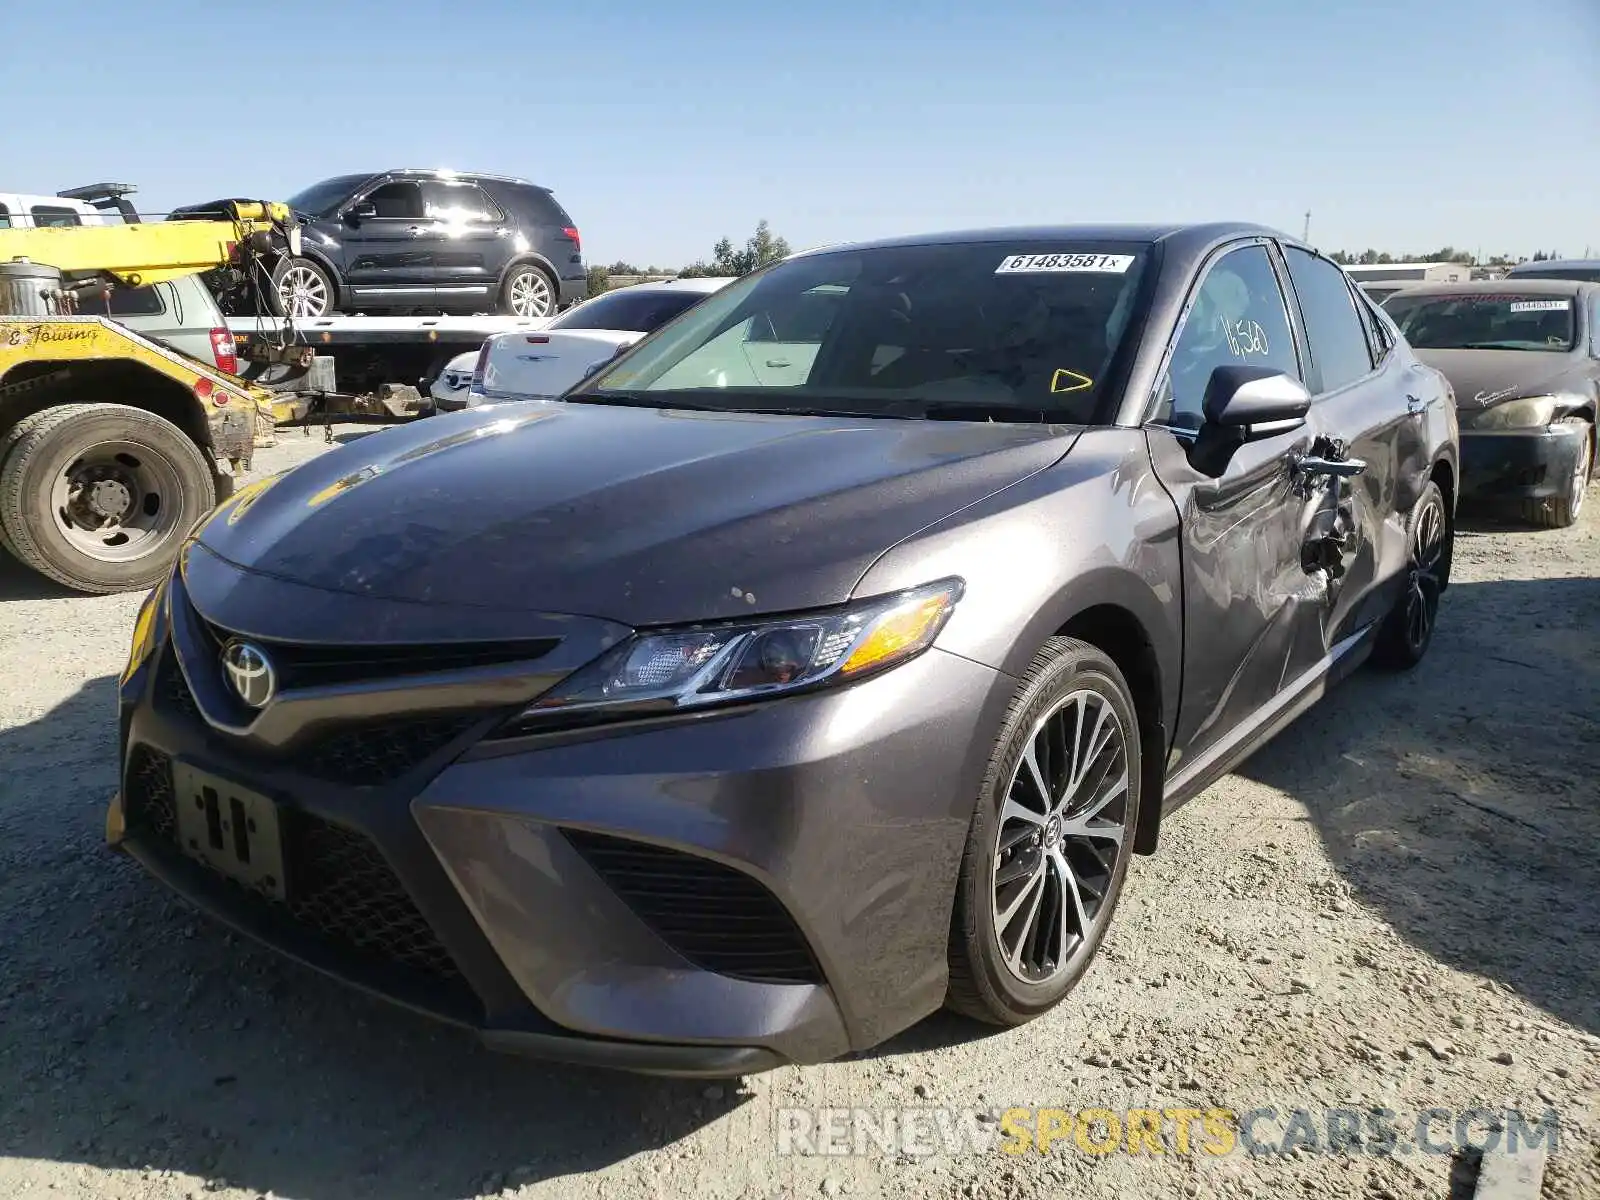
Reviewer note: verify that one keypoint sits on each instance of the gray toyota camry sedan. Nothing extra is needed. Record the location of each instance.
(818, 662)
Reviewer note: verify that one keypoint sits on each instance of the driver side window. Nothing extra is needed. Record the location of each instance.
(1238, 318)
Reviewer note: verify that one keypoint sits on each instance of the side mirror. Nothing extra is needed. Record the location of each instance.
(1255, 402)
(364, 211)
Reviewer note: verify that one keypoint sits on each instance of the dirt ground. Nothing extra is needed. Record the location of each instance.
(1396, 905)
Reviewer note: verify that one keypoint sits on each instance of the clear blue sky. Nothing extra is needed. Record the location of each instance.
(1401, 124)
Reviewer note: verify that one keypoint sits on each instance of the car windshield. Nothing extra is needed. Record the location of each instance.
(320, 199)
(968, 331)
(1485, 321)
(641, 311)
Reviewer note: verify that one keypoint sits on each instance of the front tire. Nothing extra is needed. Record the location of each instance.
(528, 292)
(303, 288)
(1560, 512)
(99, 496)
(1050, 841)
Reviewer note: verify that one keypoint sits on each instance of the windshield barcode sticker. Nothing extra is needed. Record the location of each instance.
(1032, 264)
(1541, 305)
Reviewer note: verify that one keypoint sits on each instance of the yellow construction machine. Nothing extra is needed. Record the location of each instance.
(113, 446)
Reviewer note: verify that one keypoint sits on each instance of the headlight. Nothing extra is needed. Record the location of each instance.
(1528, 413)
(144, 631)
(720, 664)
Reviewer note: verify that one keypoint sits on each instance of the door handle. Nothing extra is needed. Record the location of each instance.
(1338, 468)
(416, 231)
(778, 362)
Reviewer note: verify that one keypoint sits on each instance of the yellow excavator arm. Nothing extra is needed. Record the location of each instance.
(141, 254)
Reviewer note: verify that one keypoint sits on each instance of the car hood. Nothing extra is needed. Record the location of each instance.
(1484, 377)
(640, 516)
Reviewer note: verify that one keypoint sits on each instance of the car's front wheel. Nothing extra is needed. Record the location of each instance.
(1561, 511)
(304, 289)
(1049, 843)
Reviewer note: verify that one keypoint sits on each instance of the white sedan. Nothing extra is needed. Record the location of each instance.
(538, 364)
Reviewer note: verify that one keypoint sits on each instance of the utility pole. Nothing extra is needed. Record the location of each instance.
(1306, 236)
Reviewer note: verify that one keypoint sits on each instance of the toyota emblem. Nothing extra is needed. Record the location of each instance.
(249, 673)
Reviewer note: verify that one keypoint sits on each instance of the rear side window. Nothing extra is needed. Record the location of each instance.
(123, 302)
(543, 207)
(457, 202)
(1340, 353)
(51, 216)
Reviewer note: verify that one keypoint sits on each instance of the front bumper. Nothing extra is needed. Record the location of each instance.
(1518, 464)
(560, 895)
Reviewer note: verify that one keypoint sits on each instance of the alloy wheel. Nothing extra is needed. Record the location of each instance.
(304, 292)
(1425, 581)
(530, 295)
(1061, 831)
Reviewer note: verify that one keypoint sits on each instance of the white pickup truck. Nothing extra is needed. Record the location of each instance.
(538, 364)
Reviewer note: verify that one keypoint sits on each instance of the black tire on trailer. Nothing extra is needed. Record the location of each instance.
(100, 496)
(1559, 512)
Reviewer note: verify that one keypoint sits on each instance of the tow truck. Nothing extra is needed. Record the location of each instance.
(113, 446)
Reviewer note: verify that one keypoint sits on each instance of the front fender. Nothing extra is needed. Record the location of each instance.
(1093, 531)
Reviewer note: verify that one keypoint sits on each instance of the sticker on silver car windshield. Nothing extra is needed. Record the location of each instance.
(1541, 305)
(1035, 264)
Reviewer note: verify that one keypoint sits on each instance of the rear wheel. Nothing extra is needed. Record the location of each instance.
(1558, 512)
(1049, 844)
(1407, 631)
(99, 496)
(528, 292)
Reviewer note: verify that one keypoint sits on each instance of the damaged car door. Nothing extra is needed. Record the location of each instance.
(1233, 443)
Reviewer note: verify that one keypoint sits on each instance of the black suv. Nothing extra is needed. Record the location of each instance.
(434, 240)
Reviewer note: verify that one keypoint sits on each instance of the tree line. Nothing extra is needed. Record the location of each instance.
(761, 248)
(1370, 258)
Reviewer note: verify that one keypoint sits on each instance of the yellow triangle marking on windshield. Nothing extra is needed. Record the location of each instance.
(1069, 381)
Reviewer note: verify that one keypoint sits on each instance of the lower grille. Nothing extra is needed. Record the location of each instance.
(172, 689)
(358, 757)
(380, 753)
(341, 890)
(716, 917)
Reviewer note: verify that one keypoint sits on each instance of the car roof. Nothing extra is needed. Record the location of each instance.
(1555, 264)
(1189, 235)
(1522, 284)
(448, 173)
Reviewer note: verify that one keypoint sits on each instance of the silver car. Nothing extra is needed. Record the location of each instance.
(181, 314)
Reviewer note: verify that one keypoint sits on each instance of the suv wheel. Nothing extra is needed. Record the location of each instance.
(1049, 844)
(304, 289)
(528, 292)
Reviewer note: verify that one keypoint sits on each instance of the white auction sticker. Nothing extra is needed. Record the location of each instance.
(1030, 264)
(1540, 305)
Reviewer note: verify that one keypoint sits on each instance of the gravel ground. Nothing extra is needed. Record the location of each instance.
(1394, 904)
